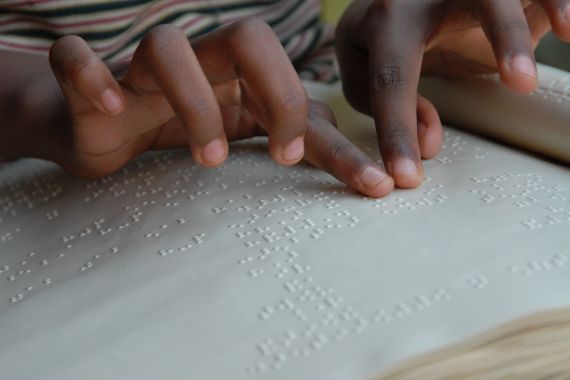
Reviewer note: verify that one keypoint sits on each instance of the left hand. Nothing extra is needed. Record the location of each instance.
(233, 83)
(384, 45)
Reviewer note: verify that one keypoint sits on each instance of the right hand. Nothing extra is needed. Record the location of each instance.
(384, 45)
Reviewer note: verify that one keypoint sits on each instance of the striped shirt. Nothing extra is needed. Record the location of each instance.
(113, 29)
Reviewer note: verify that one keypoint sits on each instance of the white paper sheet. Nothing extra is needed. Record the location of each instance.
(253, 271)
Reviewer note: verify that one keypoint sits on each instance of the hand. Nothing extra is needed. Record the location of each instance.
(233, 83)
(115, 120)
(384, 45)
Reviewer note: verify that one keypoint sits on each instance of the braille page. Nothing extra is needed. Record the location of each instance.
(538, 122)
(165, 270)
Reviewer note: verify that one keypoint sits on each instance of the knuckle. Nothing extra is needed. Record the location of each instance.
(62, 44)
(200, 108)
(376, 10)
(340, 152)
(250, 31)
(160, 37)
(250, 28)
(320, 110)
(64, 53)
(396, 130)
(291, 104)
(164, 31)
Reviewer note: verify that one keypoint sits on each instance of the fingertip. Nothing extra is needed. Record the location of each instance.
(291, 153)
(375, 183)
(519, 83)
(212, 154)
(408, 182)
(407, 174)
(519, 74)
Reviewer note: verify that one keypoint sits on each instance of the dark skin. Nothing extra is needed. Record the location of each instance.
(234, 83)
(384, 46)
(237, 83)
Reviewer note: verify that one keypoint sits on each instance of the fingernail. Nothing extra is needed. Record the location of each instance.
(294, 151)
(371, 177)
(523, 65)
(214, 152)
(111, 101)
(404, 167)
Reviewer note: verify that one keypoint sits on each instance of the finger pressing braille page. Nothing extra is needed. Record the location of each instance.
(256, 271)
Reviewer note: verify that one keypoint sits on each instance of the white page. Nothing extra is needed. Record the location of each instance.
(482, 104)
(252, 271)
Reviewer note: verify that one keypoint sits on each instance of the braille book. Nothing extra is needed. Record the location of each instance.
(165, 270)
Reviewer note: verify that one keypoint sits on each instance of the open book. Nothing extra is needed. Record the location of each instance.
(165, 270)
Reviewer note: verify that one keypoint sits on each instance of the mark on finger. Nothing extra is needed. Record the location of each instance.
(388, 77)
